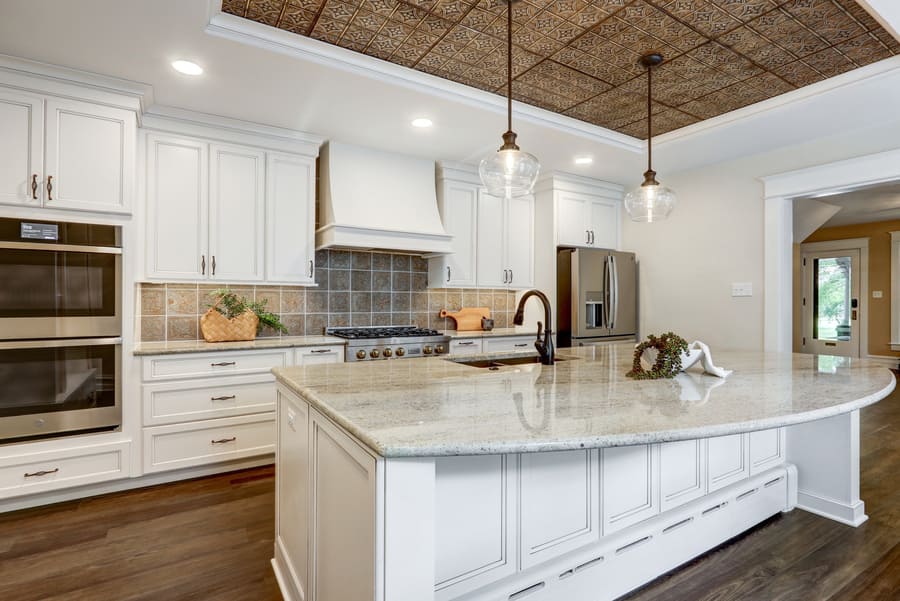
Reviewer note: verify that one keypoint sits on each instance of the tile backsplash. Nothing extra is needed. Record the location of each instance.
(354, 289)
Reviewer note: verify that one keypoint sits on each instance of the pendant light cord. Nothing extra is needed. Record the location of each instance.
(649, 118)
(509, 65)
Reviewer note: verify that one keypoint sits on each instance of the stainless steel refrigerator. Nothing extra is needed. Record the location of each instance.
(596, 296)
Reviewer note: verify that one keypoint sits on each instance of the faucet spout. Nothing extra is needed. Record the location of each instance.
(543, 345)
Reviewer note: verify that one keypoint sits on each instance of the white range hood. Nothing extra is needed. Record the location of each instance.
(378, 200)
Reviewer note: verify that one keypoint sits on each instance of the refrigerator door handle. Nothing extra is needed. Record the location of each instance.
(614, 310)
(607, 290)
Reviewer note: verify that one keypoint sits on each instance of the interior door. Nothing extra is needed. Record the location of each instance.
(831, 310)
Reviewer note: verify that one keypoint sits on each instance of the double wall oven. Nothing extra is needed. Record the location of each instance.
(60, 328)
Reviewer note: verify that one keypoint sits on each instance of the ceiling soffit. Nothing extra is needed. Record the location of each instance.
(579, 58)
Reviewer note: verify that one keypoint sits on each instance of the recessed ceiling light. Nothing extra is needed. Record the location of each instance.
(187, 67)
(584, 160)
(422, 122)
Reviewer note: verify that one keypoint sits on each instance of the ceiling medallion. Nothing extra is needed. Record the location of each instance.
(509, 172)
(650, 202)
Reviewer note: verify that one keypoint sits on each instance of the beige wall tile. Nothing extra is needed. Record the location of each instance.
(153, 329)
(181, 301)
(153, 300)
(182, 328)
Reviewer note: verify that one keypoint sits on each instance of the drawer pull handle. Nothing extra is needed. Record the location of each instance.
(224, 440)
(34, 186)
(228, 397)
(42, 473)
(49, 187)
(322, 350)
(223, 364)
(470, 343)
(521, 345)
(632, 545)
(526, 591)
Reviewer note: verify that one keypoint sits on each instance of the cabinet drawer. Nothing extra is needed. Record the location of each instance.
(177, 402)
(465, 346)
(199, 443)
(521, 343)
(40, 472)
(167, 367)
(314, 355)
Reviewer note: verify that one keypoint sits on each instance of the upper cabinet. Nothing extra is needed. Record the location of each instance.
(492, 237)
(228, 212)
(66, 154)
(587, 212)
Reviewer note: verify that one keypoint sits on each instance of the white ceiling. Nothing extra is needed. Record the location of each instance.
(879, 203)
(138, 39)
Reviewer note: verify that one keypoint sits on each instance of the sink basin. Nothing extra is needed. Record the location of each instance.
(501, 362)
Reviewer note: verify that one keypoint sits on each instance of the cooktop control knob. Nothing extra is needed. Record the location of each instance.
(401, 351)
(427, 349)
(374, 353)
(439, 349)
(360, 354)
(388, 352)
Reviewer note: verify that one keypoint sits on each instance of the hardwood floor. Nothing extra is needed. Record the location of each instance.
(212, 539)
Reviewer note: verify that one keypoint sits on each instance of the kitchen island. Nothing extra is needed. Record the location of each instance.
(427, 479)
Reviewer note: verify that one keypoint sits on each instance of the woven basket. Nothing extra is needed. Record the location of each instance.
(218, 328)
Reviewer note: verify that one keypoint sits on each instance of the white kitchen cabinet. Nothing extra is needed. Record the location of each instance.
(290, 218)
(466, 346)
(21, 154)
(559, 503)
(767, 448)
(236, 213)
(317, 355)
(177, 207)
(475, 532)
(66, 154)
(505, 242)
(629, 485)
(728, 460)
(229, 213)
(682, 469)
(586, 221)
(458, 205)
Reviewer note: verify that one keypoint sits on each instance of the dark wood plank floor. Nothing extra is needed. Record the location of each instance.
(212, 539)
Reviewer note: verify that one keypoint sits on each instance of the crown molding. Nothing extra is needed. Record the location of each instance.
(269, 38)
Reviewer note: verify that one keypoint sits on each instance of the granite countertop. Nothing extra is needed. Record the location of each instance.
(200, 346)
(434, 407)
(497, 332)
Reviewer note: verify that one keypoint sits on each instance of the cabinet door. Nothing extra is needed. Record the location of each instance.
(236, 213)
(520, 241)
(766, 449)
(728, 460)
(290, 218)
(177, 208)
(89, 154)
(22, 124)
(629, 486)
(604, 223)
(559, 503)
(571, 213)
(491, 267)
(459, 207)
(682, 472)
(292, 486)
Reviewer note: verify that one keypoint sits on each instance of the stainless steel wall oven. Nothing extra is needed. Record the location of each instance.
(60, 328)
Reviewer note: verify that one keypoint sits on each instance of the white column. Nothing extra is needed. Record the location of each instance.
(779, 238)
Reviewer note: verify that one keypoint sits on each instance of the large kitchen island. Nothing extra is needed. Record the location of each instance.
(431, 480)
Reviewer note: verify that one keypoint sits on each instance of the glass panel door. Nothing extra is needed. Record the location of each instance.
(831, 303)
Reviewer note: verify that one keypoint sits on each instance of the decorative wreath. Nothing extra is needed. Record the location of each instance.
(669, 347)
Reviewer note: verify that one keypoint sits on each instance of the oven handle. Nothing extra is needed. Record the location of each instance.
(58, 343)
(75, 248)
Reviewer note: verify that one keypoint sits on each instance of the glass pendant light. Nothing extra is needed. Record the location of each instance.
(509, 172)
(650, 202)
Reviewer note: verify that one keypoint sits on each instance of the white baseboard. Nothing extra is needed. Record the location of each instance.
(93, 490)
(887, 360)
(852, 515)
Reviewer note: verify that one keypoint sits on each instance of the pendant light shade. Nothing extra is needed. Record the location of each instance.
(509, 172)
(650, 201)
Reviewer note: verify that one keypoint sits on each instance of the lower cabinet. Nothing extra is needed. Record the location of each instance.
(630, 485)
(767, 449)
(682, 472)
(729, 460)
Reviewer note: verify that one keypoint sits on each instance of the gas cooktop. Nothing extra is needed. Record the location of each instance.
(377, 332)
(386, 342)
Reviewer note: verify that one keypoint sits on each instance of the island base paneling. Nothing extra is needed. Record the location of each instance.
(511, 527)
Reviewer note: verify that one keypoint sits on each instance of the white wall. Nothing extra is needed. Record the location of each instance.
(715, 237)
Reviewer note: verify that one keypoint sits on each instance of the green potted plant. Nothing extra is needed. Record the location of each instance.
(231, 317)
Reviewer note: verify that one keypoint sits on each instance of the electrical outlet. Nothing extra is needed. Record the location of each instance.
(877, 294)
(742, 289)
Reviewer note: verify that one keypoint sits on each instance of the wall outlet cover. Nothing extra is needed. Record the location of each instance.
(877, 294)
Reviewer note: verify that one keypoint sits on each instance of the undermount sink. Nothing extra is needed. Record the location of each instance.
(502, 362)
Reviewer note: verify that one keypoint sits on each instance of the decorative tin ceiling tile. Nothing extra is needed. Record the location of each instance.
(580, 57)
